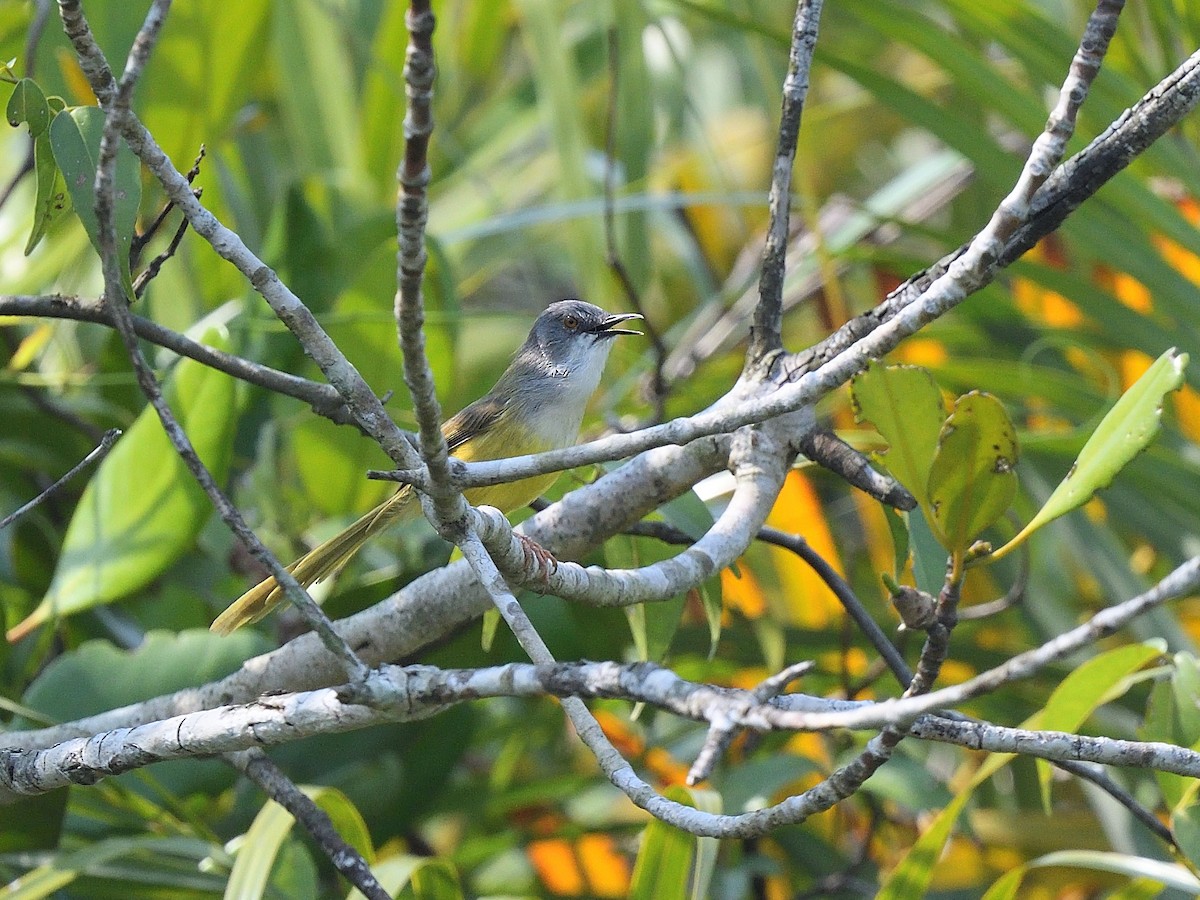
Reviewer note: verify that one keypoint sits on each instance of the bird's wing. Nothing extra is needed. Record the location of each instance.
(470, 422)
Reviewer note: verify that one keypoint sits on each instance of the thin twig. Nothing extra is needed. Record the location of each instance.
(107, 442)
(766, 331)
(412, 213)
(259, 768)
(139, 241)
(118, 105)
(846, 596)
(324, 400)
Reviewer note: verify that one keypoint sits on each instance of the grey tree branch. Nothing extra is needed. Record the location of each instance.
(117, 108)
(766, 328)
(368, 411)
(323, 399)
(257, 766)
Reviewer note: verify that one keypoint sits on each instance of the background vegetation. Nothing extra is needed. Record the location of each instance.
(917, 122)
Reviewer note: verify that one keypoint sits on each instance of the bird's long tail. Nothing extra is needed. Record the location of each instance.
(316, 565)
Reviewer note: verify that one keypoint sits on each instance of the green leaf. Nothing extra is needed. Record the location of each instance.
(972, 482)
(1097, 681)
(96, 676)
(652, 625)
(418, 877)
(664, 868)
(51, 200)
(28, 104)
(1128, 428)
(904, 405)
(75, 140)
(1169, 874)
(912, 876)
(1185, 825)
(257, 850)
(142, 510)
(315, 89)
(929, 557)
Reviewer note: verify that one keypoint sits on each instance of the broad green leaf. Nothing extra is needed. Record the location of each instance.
(28, 104)
(898, 529)
(1185, 686)
(1127, 429)
(142, 509)
(75, 140)
(1097, 681)
(96, 675)
(904, 405)
(347, 820)
(972, 482)
(929, 557)
(665, 860)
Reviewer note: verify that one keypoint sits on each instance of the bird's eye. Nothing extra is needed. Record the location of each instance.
(570, 323)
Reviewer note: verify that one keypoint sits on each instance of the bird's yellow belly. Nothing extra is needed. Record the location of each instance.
(514, 495)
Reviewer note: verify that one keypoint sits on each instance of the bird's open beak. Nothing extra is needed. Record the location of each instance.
(608, 327)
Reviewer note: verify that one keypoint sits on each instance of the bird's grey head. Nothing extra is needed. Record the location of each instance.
(564, 355)
(572, 335)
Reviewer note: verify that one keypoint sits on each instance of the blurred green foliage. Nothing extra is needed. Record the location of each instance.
(299, 107)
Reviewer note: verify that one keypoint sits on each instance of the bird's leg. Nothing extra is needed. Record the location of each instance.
(534, 554)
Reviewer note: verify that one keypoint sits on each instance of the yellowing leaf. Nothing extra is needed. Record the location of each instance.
(905, 406)
(971, 481)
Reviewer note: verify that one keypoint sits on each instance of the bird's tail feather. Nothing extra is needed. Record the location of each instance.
(322, 561)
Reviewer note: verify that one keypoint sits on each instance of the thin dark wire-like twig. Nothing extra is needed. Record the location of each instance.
(139, 241)
(658, 383)
(259, 768)
(106, 444)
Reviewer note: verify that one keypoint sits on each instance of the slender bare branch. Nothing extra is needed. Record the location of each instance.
(107, 442)
(766, 329)
(256, 766)
(323, 399)
(119, 107)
